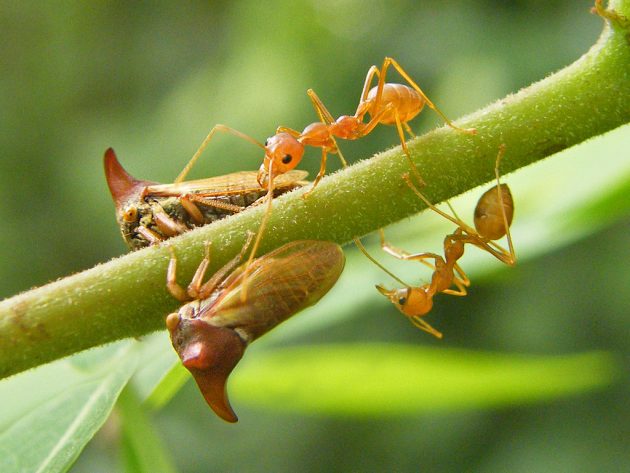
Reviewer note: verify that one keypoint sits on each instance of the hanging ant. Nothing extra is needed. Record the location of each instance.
(386, 103)
(493, 217)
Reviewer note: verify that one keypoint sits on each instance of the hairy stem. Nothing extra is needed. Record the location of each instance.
(127, 297)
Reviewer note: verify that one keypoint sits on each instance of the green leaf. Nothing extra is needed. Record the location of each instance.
(169, 385)
(51, 413)
(142, 449)
(160, 374)
(157, 358)
(384, 380)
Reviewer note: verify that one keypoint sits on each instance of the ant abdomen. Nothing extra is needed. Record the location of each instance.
(488, 214)
(400, 99)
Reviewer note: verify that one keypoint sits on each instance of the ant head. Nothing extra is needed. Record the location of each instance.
(411, 301)
(210, 354)
(398, 297)
(282, 151)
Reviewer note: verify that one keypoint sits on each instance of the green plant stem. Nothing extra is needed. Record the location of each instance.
(127, 297)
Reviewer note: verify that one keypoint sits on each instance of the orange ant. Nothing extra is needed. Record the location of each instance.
(493, 217)
(386, 103)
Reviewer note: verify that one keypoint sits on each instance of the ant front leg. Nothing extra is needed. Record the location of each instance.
(290, 131)
(226, 272)
(364, 106)
(403, 143)
(456, 220)
(326, 117)
(405, 255)
(206, 142)
(320, 174)
(259, 235)
(425, 327)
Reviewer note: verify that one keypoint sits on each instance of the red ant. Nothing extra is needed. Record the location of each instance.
(493, 217)
(386, 103)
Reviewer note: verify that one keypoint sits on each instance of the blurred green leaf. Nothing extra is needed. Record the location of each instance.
(142, 449)
(382, 379)
(169, 385)
(160, 374)
(157, 358)
(50, 413)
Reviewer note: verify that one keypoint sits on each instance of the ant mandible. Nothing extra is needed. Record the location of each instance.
(386, 103)
(493, 217)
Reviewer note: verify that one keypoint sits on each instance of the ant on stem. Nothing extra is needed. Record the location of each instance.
(385, 103)
(492, 220)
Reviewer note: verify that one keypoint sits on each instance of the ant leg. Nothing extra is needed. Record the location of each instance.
(261, 231)
(362, 108)
(320, 174)
(196, 281)
(511, 260)
(173, 287)
(324, 115)
(392, 62)
(206, 141)
(456, 220)
(423, 325)
(408, 130)
(290, 131)
(463, 277)
(227, 270)
(388, 247)
(405, 255)
(461, 281)
(343, 160)
(326, 118)
(371, 258)
(403, 143)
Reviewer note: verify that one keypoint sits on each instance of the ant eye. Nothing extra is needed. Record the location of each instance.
(402, 301)
(267, 142)
(287, 159)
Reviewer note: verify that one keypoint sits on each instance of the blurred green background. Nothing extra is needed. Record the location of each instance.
(151, 79)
